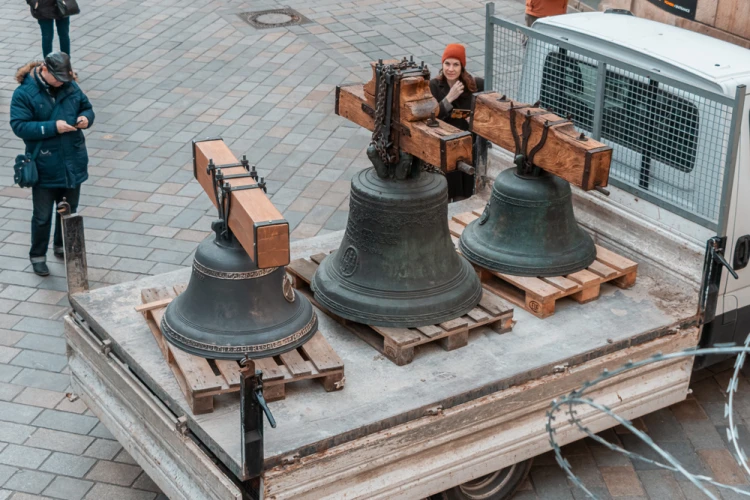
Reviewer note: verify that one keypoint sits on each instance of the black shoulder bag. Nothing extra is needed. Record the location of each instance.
(68, 7)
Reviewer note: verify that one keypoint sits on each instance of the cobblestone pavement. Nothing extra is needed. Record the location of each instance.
(162, 73)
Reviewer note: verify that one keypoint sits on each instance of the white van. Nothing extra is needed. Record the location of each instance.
(670, 102)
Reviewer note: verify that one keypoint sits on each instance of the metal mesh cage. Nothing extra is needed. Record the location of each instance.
(670, 144)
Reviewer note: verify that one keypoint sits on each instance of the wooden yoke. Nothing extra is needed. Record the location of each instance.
(414, 129)
(566, 153)
(256, 223)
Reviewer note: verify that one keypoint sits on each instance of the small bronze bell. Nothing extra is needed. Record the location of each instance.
(231, 308)
(397, 265)
(528, 228)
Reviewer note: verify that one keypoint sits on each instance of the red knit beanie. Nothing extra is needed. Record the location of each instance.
(455, 51)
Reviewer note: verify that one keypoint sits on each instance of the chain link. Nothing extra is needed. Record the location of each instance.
(379, 135)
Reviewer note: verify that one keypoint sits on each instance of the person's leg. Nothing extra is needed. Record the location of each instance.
(43, 200)
(48, 33)
(63, 31)
(71, 196)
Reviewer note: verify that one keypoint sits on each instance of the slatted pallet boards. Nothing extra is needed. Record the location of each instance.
(201, 379)
(398, 344)
(539, 295)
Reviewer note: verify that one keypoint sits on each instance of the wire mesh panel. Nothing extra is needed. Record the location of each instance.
(670, 144)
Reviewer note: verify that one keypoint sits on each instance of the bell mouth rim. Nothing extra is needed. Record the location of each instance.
(252, 351)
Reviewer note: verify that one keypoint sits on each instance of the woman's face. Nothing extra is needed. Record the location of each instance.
(452, 68)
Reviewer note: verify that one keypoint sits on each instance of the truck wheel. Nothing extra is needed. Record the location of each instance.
(500, 485)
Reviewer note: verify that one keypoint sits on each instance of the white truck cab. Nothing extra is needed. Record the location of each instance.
(670, 102)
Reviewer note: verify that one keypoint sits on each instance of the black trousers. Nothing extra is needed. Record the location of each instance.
(44, 201)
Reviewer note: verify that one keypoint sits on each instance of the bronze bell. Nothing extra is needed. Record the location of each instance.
(528, 228)
(397, 265)
(232, 309)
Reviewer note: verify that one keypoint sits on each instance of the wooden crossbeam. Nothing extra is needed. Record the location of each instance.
(442, 145)
(581, 161)
(256, 223)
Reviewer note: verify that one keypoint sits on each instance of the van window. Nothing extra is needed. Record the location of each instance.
(637, 115)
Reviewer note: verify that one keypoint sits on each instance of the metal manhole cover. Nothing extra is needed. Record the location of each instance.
(275, 18)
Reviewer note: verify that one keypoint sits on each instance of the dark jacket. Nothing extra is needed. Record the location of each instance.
(44, 9)
(439, 88)
(62, 160)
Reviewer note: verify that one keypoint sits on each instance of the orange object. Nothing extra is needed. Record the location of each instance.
(457, 51)
(544, 8)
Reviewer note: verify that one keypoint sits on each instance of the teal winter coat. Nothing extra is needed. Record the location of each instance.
(62, 161)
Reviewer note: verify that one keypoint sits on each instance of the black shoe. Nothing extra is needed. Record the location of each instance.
(40, 268)
(59, 252)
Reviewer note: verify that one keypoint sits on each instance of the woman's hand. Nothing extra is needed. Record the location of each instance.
(455, 92)
(62, 127)
(82, 122)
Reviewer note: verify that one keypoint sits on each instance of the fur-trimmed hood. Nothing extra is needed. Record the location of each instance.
(25, 70)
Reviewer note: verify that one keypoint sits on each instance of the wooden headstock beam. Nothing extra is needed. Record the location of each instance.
(581, 161)
(256, 223)
(443, 145)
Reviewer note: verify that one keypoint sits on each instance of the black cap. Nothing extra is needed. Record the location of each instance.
(58, 63)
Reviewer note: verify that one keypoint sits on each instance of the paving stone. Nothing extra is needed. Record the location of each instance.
(101, 431)
(39, 397)
(42, 379)
(67, 464)
(112, 472)
(144, 482)
(67, 488)
(40, 360)
(103, 448)
(724, 468)
(41, 326)
(112, 492)
(8, 372)
(68, 422)
(44, 343)
(23, 456)
(15, 433)
(60, 441)
(5, 473)
(29, 481)
(550, 482)
(18, 413)
(9, 391)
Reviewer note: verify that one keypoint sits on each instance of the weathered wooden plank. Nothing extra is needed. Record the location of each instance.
(254, 220)
(602, 270)
(321, 354)
(302, 268)
(583, 162)
(443, 146)
(531, 285)
(269, 368)
(455, 228)
(318, 257)
(399, 336)
(430, 330)
(478, 315)
(615, 261)
(585, 278)
(295, 364)
(454, 325)
(230, 370)
(156, 304)
(494, 304)
(562, 283)
(465, 218)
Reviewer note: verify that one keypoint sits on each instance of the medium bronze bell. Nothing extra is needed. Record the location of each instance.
(397, 265)
(528, 228)
(232, 309)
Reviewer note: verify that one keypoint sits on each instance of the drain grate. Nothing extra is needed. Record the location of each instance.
(274, 18)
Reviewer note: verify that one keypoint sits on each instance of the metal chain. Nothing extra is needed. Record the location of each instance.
(379, 136)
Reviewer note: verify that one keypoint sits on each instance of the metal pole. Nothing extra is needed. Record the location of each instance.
(489, 47)
(74, 242)
(601, 79)
(729, 167)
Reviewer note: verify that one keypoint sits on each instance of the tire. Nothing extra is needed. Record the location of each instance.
(499, 485)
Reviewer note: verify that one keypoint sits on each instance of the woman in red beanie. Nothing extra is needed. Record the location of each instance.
(454, 86)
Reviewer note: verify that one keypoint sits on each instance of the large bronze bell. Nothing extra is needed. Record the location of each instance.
(397, 265)
(232, 309)
(528, 228)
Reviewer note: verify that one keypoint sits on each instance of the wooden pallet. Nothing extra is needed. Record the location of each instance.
(201, 379)
(397, 344)
(538, 295)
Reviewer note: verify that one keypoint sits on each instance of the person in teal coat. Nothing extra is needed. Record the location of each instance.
(49, 111)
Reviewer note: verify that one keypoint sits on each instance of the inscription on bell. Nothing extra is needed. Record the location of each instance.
(349, 262)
